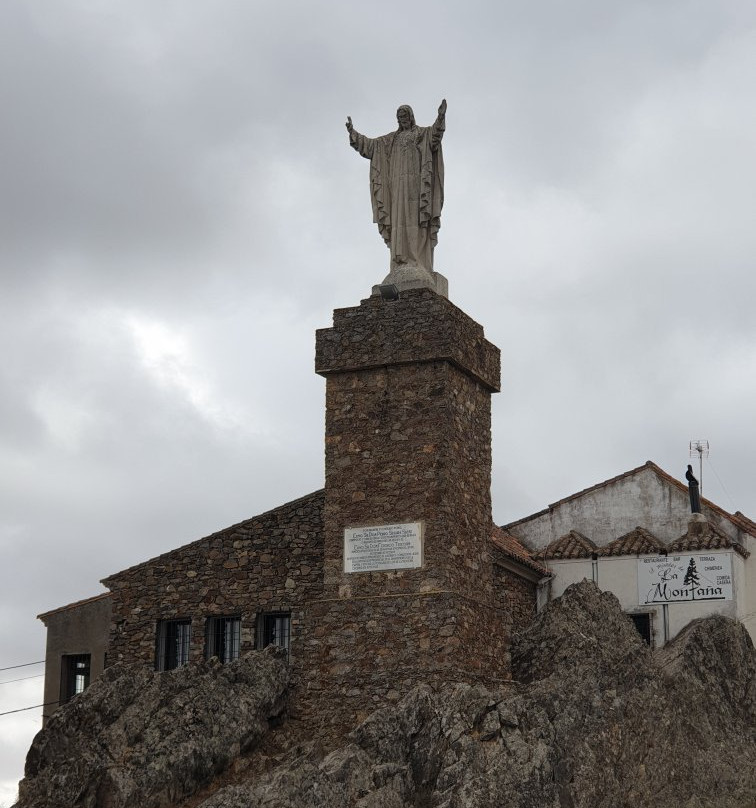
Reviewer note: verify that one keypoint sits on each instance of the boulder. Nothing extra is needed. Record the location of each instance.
(140, 739)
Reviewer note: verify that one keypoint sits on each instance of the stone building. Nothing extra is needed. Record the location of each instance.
(393, 574)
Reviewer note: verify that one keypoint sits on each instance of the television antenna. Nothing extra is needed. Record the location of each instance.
(699, 449)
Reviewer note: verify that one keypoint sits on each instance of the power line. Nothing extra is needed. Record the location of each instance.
(25, 665)
(33, 707)
(22, 679)
(727, 493)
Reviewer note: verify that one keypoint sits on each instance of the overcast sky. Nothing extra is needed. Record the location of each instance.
(180, 210)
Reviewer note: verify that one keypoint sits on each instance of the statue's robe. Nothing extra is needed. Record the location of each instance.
(406, 190)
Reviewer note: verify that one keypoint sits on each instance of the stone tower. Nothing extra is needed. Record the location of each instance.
(408, 588)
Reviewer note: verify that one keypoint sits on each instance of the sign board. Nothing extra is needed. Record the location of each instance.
(685, 578)
(383, 547)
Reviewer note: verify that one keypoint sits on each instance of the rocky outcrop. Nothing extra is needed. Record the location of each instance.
(138, 739)
(595, 720)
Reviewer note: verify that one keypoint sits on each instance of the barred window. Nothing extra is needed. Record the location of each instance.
(75, 672)
(274, 628)
(173, 641)
(223, 638)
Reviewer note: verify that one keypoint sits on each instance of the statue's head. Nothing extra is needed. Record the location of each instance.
(405, 116)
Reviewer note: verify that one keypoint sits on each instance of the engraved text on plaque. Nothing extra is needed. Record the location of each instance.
(383, 547)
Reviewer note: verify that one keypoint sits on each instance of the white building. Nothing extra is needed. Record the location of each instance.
(635, 536)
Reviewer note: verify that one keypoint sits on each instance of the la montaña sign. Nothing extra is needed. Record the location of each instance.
(684, 578)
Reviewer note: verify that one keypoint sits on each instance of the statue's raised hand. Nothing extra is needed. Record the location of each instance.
(349, 126)
(442, 108)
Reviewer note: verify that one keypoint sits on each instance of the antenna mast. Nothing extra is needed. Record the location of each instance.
(699, 449)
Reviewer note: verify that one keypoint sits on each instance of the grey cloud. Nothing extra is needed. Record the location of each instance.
(186, 165)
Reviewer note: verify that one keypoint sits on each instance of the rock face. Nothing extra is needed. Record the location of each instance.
(595, 721)
(138, 739)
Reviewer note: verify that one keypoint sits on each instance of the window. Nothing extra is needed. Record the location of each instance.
(173, 640)
(223, 638)
(75, 670)
(642, 622)
(274, 629)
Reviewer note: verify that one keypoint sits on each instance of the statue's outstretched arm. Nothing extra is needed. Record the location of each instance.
(361, 144)
(439, 127)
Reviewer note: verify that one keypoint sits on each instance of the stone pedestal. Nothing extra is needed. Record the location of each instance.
(408, 440)
(410, 277)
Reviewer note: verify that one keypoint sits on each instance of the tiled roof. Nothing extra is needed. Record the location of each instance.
(637, 542)
(746, 524)
(738, 519)
(513, 549)
(701, 535)
(74, 605)
(571, 545)
(704, 536)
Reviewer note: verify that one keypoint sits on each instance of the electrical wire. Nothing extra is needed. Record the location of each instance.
(22, 679)
(727, 493)
(33, 707)
(24, 665)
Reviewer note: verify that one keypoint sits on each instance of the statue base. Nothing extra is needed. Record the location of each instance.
(413, 277)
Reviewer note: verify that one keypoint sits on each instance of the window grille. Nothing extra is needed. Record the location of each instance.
(274, 629)
(75, 677)
(223, 638)
(173, 641)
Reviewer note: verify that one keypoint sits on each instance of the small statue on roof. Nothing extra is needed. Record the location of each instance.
(695, 498)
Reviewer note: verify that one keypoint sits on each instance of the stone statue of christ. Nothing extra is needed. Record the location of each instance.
(406, 186)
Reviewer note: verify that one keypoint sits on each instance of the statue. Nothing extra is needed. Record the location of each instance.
(693, 493)
(407, 193)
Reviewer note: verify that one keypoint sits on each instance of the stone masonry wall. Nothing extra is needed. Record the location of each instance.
(516, 596)
(272, 562)
(410, 443)
(408, 439)
(366, 653)
(421, 326)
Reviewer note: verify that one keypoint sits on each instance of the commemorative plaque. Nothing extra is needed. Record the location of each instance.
(383, 547)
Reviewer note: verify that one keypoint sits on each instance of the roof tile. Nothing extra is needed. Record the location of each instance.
(704, 536)
(572, 545)
(638, 541)
(514, 549)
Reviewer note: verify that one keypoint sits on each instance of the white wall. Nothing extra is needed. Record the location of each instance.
(568, 572)
(613, 510)
(643, 499)
(744, 576)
